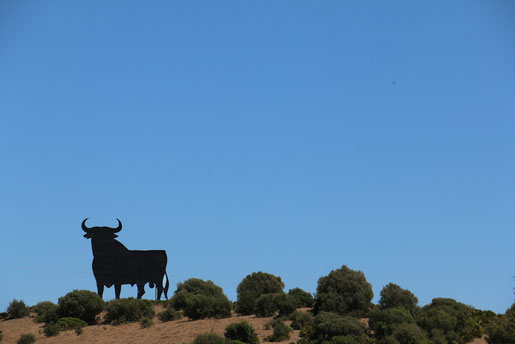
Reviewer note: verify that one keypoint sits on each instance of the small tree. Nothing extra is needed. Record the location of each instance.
(253, 286)
(47, 312)
(394, 296)
(26, 338)
(302, 298)
(17, 309)
(128, 310)
(241, 331)
(329, 325)
(281, 331)
(82, 304)
(501, 330)
(343, 291)
(383, 322)
(201, 299)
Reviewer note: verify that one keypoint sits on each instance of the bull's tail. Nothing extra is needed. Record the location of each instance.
(166, 286)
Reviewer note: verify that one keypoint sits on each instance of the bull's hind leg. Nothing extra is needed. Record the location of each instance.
(159, 287)
(117, 290)
(100, 289)
(141, 290)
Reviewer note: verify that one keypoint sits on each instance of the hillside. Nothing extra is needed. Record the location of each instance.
(173, 332)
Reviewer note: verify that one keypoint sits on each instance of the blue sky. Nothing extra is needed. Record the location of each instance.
(290, 137)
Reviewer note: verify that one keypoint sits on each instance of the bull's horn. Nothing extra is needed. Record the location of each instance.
(119, 228)
(84, 228)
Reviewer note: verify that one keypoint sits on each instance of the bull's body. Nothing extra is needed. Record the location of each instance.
(114, 264)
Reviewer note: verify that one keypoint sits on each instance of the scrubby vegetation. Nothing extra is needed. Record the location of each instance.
(343, 299)
(241, 331)
(302, 298)
(209, 338)
(344, 291)
(394, 296)
(169, 314)
(281, 331)
(82, 304)
(128, 310)
(26, 338)
(17, 309)
(51, 330)
(253, 286)
(47, 312)
(69, 323)
(200, 299)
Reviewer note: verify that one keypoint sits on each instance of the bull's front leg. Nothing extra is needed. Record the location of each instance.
(100, 289)
(117, 290)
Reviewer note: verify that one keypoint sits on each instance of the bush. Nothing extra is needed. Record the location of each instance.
(394, 296)
(343, 291)
(241, 331)
(410, 334)
(47, 312)
(82, 304)
(201, 299)
(384, 321)
(253, 286)
(26, 338)
(169, 314)
(17, 309)
(51, 330)
(265, 305)
(285, 303)
(447, 320)
(146, 323)
(68, 323)
(128, 310)
(281, 331)
(300, 320)
(328, 325)
(501, 330)
(209, 338)
(302, 298)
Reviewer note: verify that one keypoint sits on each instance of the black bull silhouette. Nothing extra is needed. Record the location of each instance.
(114, 264)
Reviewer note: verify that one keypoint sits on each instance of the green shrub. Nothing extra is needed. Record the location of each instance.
(300, 320)
(343, 291)
(302, 298)
(384, 321)
(146, 323)
(242, 331)
(448, 321)
(169, 314)
(4, 315)
(1, 335)
(410, 334)
(17, 309)
(51, 330)
(265, 305)
(47, 312)
(253, 286)
(201, 299)
(501, 330)
(394, 296)
(68, 323)
(26, 338)
(78, 331)
(82, 304)
(209, 338)
(281, 331)
(128, 310)
(328, 325)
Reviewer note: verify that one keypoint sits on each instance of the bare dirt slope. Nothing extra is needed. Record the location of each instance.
(178, 331)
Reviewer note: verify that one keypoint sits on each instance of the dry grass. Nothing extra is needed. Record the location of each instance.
(173, 332)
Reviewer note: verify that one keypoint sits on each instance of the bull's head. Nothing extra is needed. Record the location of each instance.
(101, 232)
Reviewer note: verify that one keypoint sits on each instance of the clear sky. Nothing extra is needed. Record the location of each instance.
(291, 137)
